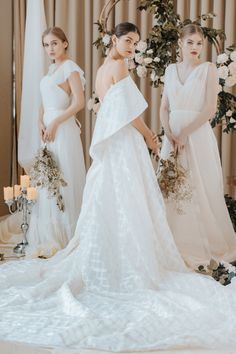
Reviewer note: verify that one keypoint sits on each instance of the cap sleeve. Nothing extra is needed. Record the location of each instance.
(166, 81)
(70, 67)
(167, 72)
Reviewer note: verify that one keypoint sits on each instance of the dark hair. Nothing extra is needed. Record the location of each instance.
(189, 29)
(58, 32)
(125, 27)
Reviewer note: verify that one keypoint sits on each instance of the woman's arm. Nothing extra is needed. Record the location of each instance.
(209, 108)
(150, 137)
(120, 72)
(76, 105)
(164, 115)
(41, 124)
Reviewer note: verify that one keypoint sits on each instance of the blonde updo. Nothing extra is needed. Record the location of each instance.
(190, 29)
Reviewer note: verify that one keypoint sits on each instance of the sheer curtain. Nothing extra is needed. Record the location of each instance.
(34, 67)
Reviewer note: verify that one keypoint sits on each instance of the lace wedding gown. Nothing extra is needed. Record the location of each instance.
(205, 230)
(120, 284)
(49, 227)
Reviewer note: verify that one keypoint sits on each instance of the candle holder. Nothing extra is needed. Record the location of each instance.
(18, 204)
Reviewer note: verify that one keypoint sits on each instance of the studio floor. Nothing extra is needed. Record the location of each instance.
(20, 348)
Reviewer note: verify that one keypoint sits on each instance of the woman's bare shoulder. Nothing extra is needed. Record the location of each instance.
(212, 69)
(120, 70)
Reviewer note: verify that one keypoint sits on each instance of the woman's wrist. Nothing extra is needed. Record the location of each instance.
(148, 134)
(167, 131)
(57, 121)
(184, 132)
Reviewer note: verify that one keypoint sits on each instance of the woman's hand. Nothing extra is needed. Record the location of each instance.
(171, 139)
(180, 141)
(42, 129)
(50, 132)
(152, 142)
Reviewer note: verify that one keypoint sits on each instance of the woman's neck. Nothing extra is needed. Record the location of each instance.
(61, 59)
(188, 62)
(113, 54)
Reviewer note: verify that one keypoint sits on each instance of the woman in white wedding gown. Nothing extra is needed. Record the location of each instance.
(120, 284)
(62, 94)
(204, 230)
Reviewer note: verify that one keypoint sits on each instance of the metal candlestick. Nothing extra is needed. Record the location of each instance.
(21, 203)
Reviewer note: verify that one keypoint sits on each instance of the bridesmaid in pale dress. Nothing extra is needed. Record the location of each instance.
(62, 97)
(189, 101)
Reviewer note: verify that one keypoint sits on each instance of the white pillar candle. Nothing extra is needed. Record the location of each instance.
(17, 190)
(8, 193)
(24, 181)
(31, 193)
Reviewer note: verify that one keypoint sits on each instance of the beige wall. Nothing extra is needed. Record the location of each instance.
(5, 96)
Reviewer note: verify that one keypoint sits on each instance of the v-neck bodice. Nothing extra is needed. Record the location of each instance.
(189, 95)
(189, 76)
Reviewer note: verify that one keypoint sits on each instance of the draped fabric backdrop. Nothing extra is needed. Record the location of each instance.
(6, 88)
(30, 98)
(77, 18)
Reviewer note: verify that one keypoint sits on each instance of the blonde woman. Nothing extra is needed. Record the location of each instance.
(189, 101)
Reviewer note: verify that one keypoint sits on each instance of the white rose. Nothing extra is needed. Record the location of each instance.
(156, 59)
(149, 51)
(219, 88)
(90, 104)
(138, 58)
(141, 46)
(223, 72)
(106, 39)
(233, 55)
(155, 22)
(229, 113)
(162, 78)
(222, 58)
(141, 71)
(147, 60)
(227, 265)
(232, 120)
(232, 268)
(232, 68)
(230, 81)
(131, 64)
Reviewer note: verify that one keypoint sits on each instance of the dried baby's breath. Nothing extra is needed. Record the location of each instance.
(45, 173)
(173, 180)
